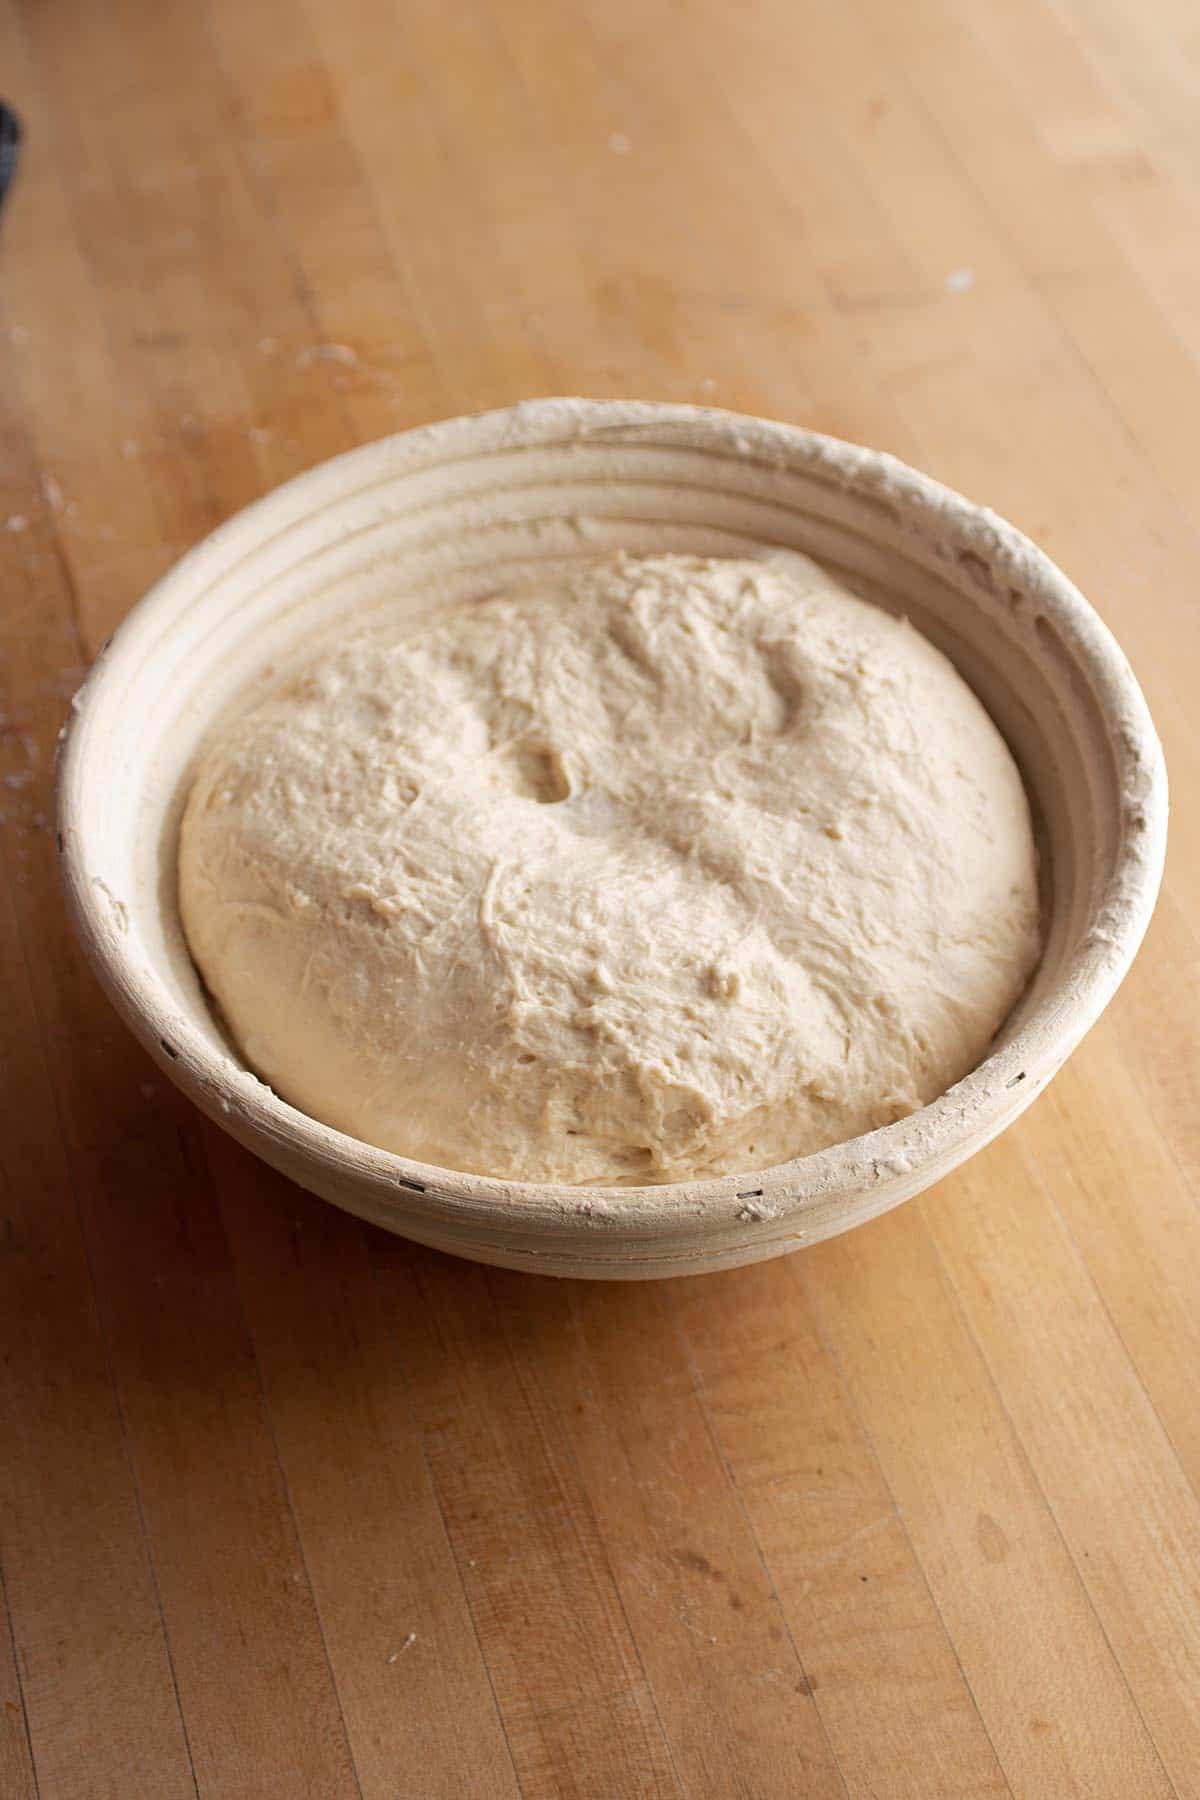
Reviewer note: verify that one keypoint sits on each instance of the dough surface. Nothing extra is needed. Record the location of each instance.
(670, 867)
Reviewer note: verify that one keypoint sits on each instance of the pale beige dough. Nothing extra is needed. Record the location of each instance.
(672, 867)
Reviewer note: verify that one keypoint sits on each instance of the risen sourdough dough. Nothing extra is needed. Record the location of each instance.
(679, 867)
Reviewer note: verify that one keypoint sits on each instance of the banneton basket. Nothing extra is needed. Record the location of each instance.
(439, 514)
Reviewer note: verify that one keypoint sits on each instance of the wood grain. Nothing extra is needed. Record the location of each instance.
(289, 1508)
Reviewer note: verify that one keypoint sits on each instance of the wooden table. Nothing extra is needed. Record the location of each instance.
(290, 1508)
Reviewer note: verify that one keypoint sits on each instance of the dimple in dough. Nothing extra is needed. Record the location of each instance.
(671, 867)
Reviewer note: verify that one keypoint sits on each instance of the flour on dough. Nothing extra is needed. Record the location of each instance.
(670, 867)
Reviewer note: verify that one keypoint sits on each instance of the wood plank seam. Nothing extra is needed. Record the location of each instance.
(262, 182)
(259, 182)
(291, 1510)
(964, 1317)
(1130, 1355)
(569, 1453)
(141, 1514)
(852, 1407)
(1069, 339)
(365, 1231)
(16, 1662)
(566, 1710)
(118, 1405)
(751, 1532)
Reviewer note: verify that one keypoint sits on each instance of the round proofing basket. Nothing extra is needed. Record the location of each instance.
(438, 515)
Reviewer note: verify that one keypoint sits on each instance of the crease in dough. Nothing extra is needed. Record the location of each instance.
(673, 866)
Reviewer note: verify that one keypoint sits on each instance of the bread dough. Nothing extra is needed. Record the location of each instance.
(666, 867)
